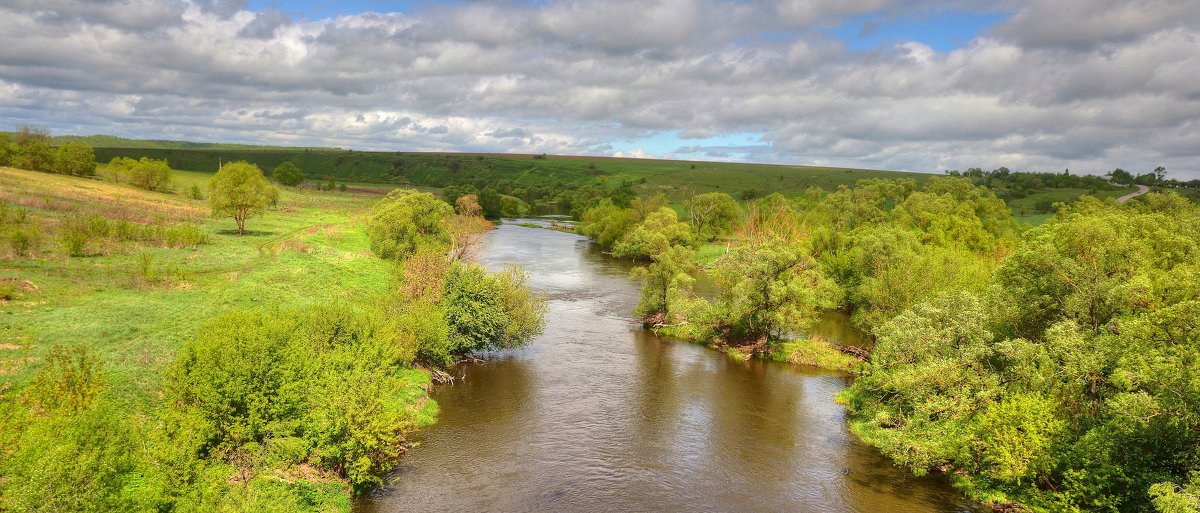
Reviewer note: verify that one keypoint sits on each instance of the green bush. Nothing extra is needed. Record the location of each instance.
(75, 159)
(407, 222)
(25, 241)
(288, 173)
(70, 380)
(328, 387)
(74, 237)
(489, 311)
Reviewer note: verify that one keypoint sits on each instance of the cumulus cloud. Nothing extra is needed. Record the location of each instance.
(1085, 84)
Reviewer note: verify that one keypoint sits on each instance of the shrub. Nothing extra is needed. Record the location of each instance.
(74, 238)
(150, 174)
(25, 241)
(69, 381)
(406, 222)
(287, 173)
(76, 159)
(195, 193)
(490, 311)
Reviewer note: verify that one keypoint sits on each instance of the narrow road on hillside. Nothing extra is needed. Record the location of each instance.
(1142, 189)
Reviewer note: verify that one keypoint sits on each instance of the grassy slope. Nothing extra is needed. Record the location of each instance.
(311, 249)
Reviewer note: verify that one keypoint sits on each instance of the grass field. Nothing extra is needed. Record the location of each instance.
(136, 303)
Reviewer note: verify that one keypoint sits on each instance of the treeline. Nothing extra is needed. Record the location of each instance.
(270, 409)
(30, 148)
(1049, 370)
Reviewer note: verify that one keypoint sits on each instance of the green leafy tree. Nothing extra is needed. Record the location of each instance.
(288, 173)
(931, 369)
(489, 311)
(32, 150)
(6, 149)
(407, 222)
(606, 223)
(660, 230)
(712, 215)
(76, 159)
(240, 191)
(145, 173)
(668, 275)
(769, 290)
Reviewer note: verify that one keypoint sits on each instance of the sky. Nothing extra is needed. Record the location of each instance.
(921, 85)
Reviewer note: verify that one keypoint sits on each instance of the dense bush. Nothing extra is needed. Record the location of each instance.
(1070, 385)
(489, 311)
(31, 149)
(327, 387)
(288, 173)
(76, 159)
(407, 222)
(146, 173)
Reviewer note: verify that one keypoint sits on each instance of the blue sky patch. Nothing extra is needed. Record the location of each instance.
(943, 32)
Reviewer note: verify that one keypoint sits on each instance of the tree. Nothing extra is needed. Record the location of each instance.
(407, 222)
(712, 215)
(1120, 176)
(240, 191)
(490, 311)
(659, 231)
(6, 149)
(32, 150)
(670, 272)
(606, 223)
(770, 289)
(145, 173)
(468, 205)
(288, 173)
(75, 159)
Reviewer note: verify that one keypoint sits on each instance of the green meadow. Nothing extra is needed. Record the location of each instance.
(136, 303)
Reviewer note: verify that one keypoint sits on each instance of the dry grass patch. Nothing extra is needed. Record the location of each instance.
(69, 194)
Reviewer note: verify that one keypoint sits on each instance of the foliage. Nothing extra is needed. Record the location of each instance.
(146, 173)
(607, 223)
(769, 290)
(489, 311)
(31, 149)
(658, 231)
(288, 173)
(76, 159)
(239, 191)
(664, 282)
(328, 379)
(712, 215)
(1072, 387)
(408, 222)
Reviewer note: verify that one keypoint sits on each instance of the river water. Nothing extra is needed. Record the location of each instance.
(599, 415)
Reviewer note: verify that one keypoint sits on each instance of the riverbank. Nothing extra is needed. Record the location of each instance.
(814, 350)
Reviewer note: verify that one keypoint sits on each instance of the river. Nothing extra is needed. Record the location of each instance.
(599, 415)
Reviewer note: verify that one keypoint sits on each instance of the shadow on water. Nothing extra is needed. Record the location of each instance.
(599, 415)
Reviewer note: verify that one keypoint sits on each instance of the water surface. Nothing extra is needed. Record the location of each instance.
(599, 415)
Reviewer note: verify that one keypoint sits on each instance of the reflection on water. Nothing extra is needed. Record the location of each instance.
(599, 415)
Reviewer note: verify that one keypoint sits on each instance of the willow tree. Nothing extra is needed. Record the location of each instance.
(240, 191)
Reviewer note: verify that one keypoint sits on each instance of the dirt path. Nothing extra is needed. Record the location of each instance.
(1142, 189)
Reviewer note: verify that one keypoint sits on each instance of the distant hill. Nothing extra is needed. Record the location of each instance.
(675, 178)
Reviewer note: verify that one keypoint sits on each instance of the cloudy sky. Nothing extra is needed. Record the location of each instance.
(918, 85)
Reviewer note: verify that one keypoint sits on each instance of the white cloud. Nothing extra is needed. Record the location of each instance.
(575, 76)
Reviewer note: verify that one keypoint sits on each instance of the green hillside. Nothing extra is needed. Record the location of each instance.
(671, 177)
